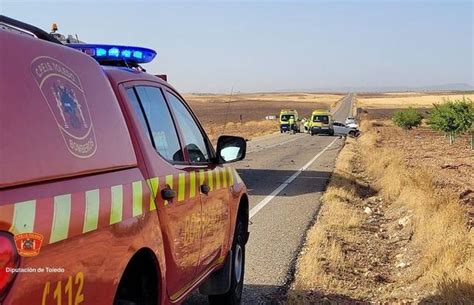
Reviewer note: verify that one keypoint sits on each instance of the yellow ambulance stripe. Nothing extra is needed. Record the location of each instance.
(116, 210)
(169, 182)
(91, 216)
(224, 176)
(218, 178)
(153, 184)
(137, 198)
(23, 217)
(61, 217)
(210, 181)
(231, 176)
(192, 184)
(181, 186)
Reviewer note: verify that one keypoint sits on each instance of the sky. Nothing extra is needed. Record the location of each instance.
(249, 46)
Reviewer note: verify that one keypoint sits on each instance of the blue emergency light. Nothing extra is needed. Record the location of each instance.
(100, 52)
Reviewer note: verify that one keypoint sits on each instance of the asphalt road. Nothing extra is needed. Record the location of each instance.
(286, 176)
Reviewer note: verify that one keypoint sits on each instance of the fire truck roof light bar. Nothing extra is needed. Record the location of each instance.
(101, 52)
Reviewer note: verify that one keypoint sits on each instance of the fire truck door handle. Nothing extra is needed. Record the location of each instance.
(168, 194)
(205, 189)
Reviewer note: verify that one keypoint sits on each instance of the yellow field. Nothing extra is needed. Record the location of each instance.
(266, 97)
(407, 99)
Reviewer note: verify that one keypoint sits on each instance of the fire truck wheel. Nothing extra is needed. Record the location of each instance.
(139, 282)
(234, 295)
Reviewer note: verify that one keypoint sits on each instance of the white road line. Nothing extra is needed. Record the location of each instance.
(282, 186)
(273, 145)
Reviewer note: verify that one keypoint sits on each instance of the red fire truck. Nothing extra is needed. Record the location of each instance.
(110, 191)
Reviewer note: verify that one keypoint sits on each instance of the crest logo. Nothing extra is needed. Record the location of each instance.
(62, 91)
(28, 244)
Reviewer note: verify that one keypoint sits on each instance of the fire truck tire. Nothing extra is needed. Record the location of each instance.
(139, 284)
(234, 295)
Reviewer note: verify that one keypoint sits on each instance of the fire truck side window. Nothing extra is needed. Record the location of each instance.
(160, 123)
(136, 106)
(193, 138)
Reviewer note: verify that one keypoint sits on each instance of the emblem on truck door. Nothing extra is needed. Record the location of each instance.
(28, 244)
(63, 92)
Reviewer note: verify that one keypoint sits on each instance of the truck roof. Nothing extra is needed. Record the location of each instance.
(119, 75)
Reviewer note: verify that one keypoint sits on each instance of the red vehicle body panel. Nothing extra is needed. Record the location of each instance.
(97, 207)
(27, 153)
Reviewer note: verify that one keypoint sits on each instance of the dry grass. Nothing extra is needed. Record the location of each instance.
(440, 247)
(325, 252)
(405, 100)
(429, 258)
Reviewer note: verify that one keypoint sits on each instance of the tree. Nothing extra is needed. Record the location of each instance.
(453, 118)
(407, 119)
(465, 117)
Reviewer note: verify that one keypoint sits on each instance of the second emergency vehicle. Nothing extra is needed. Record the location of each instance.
(321, 122)
(289, 121)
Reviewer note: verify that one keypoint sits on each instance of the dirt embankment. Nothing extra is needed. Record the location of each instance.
(394, 225)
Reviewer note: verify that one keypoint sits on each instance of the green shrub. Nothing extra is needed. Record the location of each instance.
(407, 119)
(453, 118)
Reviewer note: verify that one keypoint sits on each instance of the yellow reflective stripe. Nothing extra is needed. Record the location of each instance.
(169, 182)
(224, 176)
(210, 181)
(231, 176)
(202, 176)
(218, 179)
(91, 216)
(23, 217)
(62, 214)
(116, 210)
(181, 186)
(137, 194)
(192, 184)
(153, 184)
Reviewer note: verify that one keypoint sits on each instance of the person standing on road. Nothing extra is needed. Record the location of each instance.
(291, 121)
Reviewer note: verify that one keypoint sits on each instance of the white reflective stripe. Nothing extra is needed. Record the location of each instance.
(23, 217)
(116, 210)
(61, 218)
(137, 194)
(91, 216)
